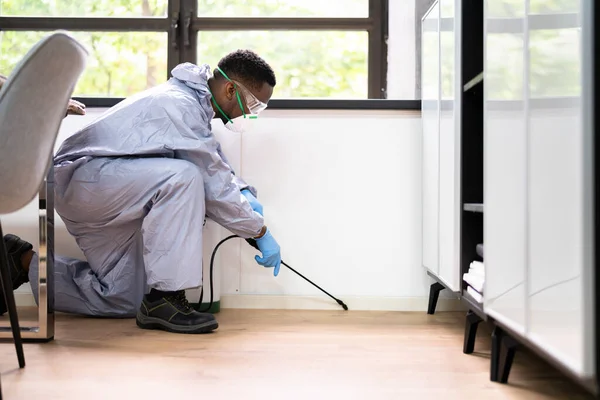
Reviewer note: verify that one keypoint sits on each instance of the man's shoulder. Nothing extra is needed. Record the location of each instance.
(156, 98)
(173, 92)
(170, 100)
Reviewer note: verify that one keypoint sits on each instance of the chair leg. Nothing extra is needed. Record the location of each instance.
(9, 298)
(471, 324)
(434, 294)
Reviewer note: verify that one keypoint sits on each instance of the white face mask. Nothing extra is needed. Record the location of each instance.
(241, 124)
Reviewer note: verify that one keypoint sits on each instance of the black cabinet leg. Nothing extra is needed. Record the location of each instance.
(497, 336)
(471, 324)
(434, 294)
(507, 355)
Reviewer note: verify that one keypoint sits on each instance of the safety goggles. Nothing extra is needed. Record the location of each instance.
(254, 105)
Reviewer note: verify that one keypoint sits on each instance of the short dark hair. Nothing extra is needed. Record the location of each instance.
(248, 67)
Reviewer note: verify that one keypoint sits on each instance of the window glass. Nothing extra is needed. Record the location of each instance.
(86, 8)
(307, 64)
(120, 63)
(284, 8)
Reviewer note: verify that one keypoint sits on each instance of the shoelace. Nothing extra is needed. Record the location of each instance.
(182, 301)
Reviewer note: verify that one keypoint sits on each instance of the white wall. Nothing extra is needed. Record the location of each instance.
(342, 195)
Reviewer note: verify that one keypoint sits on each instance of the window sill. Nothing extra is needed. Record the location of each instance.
(294, 104)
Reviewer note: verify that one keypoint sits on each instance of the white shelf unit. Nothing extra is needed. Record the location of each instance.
(538, 179)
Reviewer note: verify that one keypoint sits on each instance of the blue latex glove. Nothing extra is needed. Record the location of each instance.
(271, 255)
(256, 206)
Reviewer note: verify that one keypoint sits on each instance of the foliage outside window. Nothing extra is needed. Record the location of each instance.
(308, 64)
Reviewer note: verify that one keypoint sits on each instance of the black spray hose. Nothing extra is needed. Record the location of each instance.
(212, 260)
(252, 243)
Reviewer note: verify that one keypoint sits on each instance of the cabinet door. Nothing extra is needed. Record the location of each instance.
(556, 186)
(430, 84)
(505, 163)
(449, 263)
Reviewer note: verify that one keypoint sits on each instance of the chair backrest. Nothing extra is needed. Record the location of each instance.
(33, 103)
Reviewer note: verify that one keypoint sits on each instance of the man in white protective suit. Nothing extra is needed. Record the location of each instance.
(133, 188)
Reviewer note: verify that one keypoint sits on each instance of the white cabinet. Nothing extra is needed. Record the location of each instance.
(440, 115)
(430, 93)
(538, 178)
(505, 161)
(556, 215)
(449, 141)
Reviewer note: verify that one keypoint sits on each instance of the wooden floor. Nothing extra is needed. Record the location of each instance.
(279, 355)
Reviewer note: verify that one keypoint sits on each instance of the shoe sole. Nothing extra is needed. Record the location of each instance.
(145, 322)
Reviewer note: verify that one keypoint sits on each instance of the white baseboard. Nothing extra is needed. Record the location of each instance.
(364, 303)
(358, 303)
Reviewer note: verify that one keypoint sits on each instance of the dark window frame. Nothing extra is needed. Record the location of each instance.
(182, 24)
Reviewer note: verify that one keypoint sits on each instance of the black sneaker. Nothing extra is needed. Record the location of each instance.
(173, 313)
(15, 247)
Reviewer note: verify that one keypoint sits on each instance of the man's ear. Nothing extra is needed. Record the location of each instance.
(230, 90)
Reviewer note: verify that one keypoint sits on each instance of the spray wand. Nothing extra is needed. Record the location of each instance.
(252, 243)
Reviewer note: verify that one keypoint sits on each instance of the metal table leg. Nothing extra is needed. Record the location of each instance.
(44, 331)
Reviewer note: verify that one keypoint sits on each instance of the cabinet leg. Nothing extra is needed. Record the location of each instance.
(497, 336)
(434, 294)
(471, 323)
(507, 355)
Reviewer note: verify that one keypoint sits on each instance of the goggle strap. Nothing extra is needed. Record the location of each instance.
(223, 73)
(237, 93)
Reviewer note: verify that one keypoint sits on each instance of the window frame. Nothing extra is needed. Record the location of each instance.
(182, 24)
